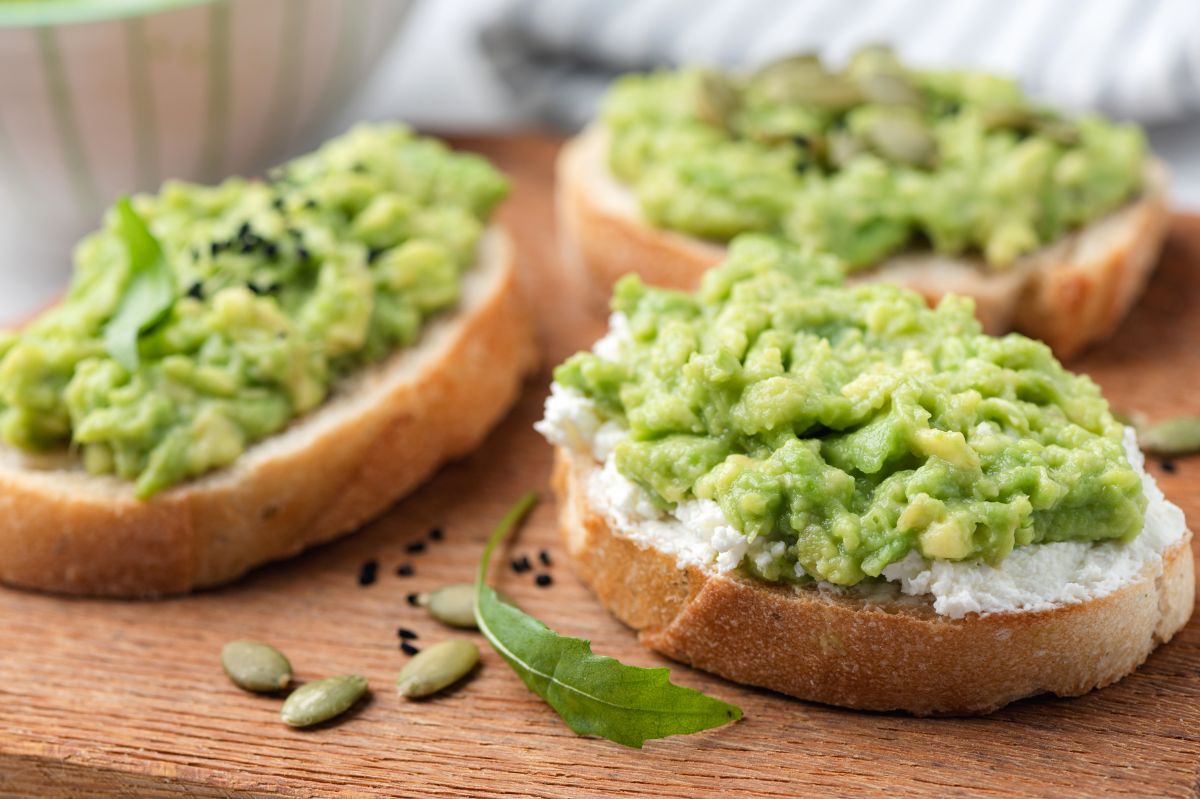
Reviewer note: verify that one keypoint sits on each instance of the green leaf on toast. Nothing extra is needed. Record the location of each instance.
(594, 695)
(149, 290)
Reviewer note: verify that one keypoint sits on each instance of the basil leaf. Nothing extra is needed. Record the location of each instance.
(594, 695)
(149, 290)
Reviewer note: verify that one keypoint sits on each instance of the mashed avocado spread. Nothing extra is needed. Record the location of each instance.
(260, 295)
(853, 424)
(865, 161)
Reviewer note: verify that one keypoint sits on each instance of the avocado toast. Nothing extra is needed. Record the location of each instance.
(838, 493)
(241, 371)
(943, 182)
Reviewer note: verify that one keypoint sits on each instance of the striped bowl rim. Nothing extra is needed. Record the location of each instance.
(41, 13)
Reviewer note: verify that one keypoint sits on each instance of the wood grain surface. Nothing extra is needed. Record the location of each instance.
(108, 698)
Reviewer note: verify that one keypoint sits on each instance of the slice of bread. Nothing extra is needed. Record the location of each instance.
(381, 433)
(873, 649)
(1069, 294)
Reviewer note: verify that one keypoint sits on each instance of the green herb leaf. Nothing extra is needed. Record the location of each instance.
(595, 695)
(149, 291)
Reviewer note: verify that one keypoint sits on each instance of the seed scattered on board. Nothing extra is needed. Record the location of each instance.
(437, 668)
(368, 572)
(316, 702)
(255, 666)
(452, 604)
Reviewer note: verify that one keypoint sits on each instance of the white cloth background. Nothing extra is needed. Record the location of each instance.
(507, 64)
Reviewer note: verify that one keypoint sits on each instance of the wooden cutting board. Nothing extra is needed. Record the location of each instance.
(105, 698)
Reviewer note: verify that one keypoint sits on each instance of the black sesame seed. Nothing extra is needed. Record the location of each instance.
(415, 547)
(404, 570)
(216, 247)
(414, 600)
(406, 634)
(374, 253)
(255, 288)
(436, 534)
(244, 230)
(544, 557)
(302, 253)
(196, 290)
(271, 250)
(408, 648)
(801, 141)
(521, 565)
(277, 203)
(247, 246)
(368, 572)
(543, 580)
(1168, 466)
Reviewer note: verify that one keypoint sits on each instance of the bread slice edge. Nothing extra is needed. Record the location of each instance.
(381, 433)
(1069, 294)
(865, 654)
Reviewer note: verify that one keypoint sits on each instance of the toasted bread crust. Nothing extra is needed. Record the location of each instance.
(378, 437)
(871, 654)
(1068, 294)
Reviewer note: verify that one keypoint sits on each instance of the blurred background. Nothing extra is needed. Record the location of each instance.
(313, 67)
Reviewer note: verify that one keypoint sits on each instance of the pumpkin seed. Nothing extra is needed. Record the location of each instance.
(902, 138)
(453, 605)
(256, 667)
(1059, 131)
(889, 88)
(882, 79)
(437, 667)
(1007, 116)
(790, 64)
(717, 99)
(1176, 436)
(315, 702)
(802, 80)
(874, 58)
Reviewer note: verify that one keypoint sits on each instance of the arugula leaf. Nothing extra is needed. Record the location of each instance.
(149, 291)
(594, 695)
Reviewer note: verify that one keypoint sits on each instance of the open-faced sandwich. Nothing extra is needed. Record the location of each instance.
(842, 494)
(944, 182)
(241, 371)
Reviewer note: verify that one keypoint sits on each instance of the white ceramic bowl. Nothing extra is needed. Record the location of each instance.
(100, 98)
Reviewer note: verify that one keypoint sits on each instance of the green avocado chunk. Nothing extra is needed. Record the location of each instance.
(867, 160)
(275, 290)
(849, 425)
